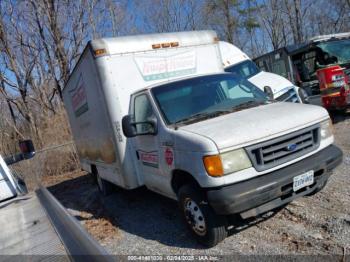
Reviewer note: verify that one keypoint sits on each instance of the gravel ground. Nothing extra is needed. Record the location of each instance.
(140, 222)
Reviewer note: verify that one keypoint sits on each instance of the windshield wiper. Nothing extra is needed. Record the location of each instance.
(201, 116)
(206, 115)
(245, 105)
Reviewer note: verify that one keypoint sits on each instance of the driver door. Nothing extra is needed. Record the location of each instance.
(146, 146)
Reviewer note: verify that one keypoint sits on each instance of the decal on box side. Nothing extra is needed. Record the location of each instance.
(160, 67)
(79, 98)
(118, 131)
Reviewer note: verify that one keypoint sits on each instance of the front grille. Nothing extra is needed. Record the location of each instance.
(282, 149)
(289, 96)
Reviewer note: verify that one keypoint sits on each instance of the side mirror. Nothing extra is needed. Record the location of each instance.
(27, 152)
(27, 148)
(132, 129)
(268, 92)
(129, 129)
(303, 96)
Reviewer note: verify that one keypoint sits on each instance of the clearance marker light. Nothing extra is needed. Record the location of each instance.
(165, 45)
(100, 52)
(156, 46)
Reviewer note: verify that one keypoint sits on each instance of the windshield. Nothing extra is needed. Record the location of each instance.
(205, 96)
(334, 52)
(245, 69)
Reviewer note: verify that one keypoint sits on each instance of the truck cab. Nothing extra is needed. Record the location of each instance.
(237, 62)
(217, 139)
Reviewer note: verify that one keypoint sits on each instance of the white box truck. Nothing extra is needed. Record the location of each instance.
(236, 61)
(159, 111)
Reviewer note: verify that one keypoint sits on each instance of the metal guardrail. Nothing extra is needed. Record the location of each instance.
(79, 244)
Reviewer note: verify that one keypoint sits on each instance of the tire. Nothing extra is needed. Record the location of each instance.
(207, 227)
(93, 175)
(104, 186)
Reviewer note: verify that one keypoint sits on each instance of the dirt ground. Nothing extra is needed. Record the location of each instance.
(140, 222)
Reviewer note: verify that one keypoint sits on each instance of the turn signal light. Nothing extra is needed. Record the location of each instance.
(213, 165)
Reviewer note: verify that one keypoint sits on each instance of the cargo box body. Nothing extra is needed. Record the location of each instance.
(98, 92)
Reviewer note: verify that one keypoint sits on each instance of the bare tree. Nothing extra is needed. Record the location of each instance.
(170, 15)
(18, 59)
(221, 15)
(273, 22)
(297, 12)
(336, 21)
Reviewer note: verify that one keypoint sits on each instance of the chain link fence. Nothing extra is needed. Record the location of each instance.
(49, 161)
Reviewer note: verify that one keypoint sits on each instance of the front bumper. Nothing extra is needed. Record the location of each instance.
(261, 194)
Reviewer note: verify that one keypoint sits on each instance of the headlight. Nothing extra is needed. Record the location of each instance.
(326, 129)
(226, 163)
(234, 161)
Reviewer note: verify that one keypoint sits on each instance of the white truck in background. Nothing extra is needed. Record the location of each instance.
(7, 182)
(236, 61)
(10, 184)
(159, 111)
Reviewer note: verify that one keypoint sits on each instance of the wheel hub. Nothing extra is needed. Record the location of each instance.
(194, 217)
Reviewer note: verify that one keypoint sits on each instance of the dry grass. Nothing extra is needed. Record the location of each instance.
(74, 191)
(101, 228)
(55, 155)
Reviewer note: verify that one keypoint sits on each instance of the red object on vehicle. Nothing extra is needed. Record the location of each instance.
(334, 87)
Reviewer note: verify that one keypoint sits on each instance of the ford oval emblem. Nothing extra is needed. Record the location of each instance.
(292, 147)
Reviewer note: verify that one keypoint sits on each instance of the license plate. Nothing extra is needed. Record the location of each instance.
(303, 180)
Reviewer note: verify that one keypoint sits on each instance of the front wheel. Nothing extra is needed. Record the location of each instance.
(207, 227)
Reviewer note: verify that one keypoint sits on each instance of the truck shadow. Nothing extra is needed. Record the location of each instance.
(138, 212)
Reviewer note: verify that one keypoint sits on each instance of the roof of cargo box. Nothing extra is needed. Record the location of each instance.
(148, 42)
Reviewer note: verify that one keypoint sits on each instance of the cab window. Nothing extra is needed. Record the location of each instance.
(245, 69)
(184, 99)
(143, 111)
(306, 64)
(279, 68)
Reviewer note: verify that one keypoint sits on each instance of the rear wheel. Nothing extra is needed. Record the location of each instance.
(207, 227)
(104, 186)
